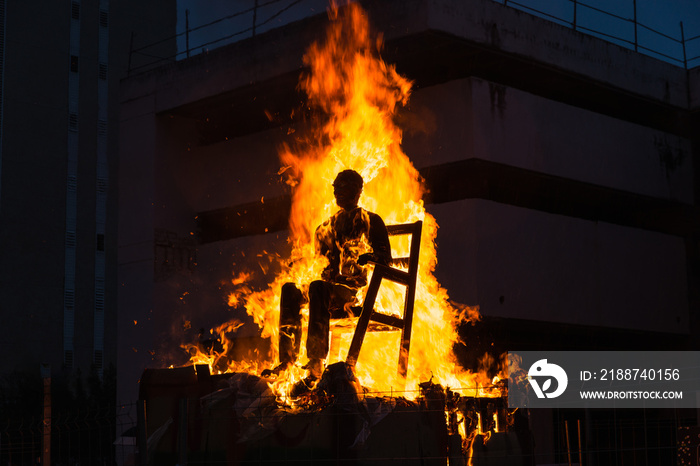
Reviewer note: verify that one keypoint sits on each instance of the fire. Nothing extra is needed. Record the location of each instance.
(358, 94)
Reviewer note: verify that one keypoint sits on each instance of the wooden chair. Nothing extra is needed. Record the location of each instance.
(391, 273)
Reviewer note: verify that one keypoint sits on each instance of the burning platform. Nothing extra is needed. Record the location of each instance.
(193, 417)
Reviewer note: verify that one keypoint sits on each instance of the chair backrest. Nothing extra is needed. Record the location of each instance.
(414, 230)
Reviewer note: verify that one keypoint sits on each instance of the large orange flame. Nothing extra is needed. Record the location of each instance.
(359, 94)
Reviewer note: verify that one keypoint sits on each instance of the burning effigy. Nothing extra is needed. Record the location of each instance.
(368, 389)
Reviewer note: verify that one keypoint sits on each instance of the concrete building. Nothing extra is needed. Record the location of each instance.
(561, 169)
(61, 65)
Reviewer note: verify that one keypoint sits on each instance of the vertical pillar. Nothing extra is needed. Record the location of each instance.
(634, 6)
(255, 16)
(182, 433)
(187, 33)
(46, 425)
(142, 435)
(685, 57)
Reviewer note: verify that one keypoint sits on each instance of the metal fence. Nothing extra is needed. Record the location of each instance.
(102, 435)
(108, 436)
(214, 39)
(679, 45)
(622, 436)
(673, 49)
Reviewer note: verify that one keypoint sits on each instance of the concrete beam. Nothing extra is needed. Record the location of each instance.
(433, 41)
(480, 179)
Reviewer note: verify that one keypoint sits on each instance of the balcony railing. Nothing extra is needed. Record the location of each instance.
(626, 31)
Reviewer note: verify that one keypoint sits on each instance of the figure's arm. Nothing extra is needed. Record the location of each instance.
(323, 249)
(319, 246)
(379, 240)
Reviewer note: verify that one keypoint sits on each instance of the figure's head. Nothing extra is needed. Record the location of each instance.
(347, 188)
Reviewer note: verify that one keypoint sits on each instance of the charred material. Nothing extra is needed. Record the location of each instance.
(191, 416)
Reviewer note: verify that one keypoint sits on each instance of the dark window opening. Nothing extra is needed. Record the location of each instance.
(73, 64)
(68, 358)
(98, 359)
(104, 19)
(69, 299)
(99, 300)
(75, 10)
(73, 122)
(101, 185)
(70, 239)
(100, 242)
(102, 71)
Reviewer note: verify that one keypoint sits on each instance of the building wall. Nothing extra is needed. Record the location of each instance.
(513, 31)
(557, 268)
(171, 287)
(476, 118)
(519, 263)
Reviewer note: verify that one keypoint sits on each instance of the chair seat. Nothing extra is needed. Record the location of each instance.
(350, 323)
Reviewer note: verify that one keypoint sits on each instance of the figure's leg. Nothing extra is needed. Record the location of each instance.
(291, 300)
(319, 319)
(323, 297)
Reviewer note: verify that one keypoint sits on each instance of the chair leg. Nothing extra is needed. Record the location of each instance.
(363, 322)
(406, 333)
(334, 350)
(403, 358)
